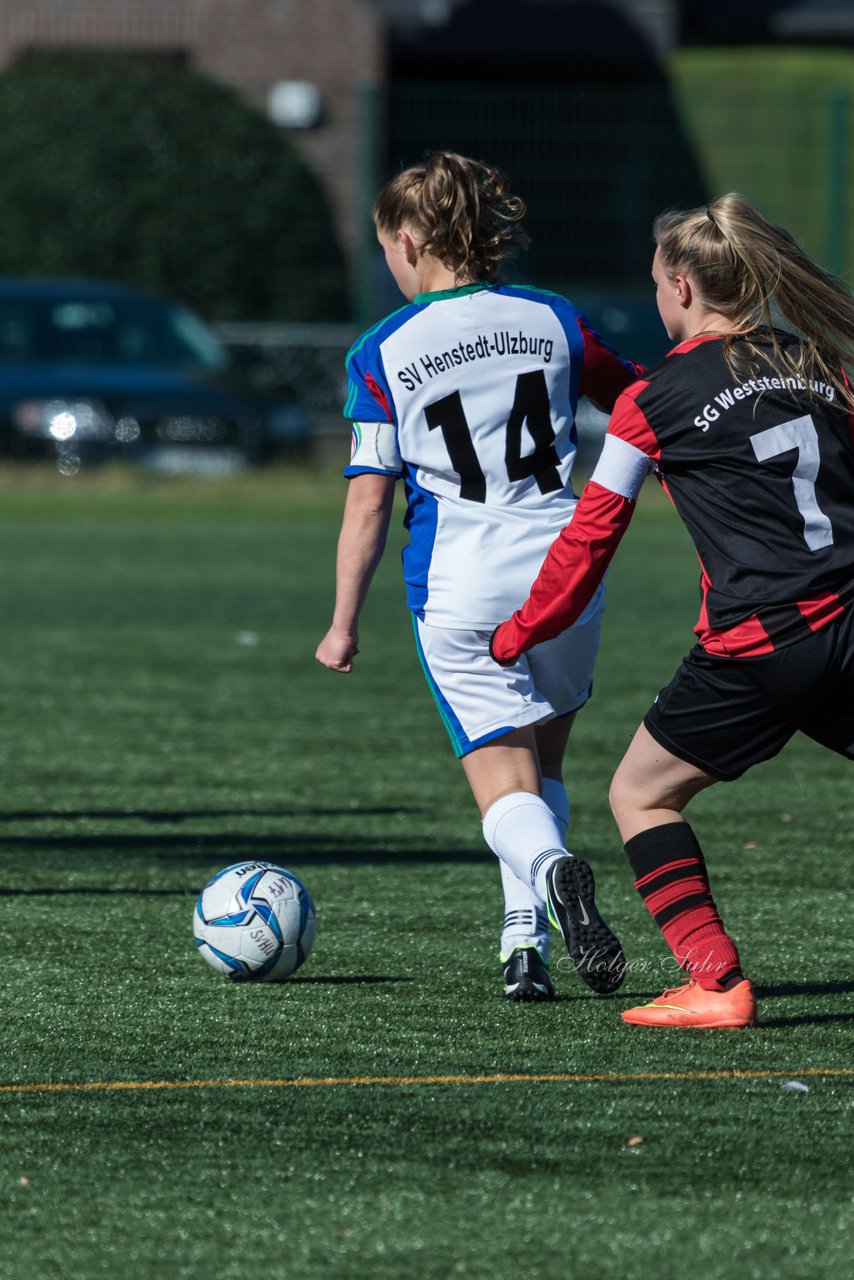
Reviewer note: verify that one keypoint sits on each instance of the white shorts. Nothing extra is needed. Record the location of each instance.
(479, 701)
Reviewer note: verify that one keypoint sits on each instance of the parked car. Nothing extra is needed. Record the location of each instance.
(91, 370)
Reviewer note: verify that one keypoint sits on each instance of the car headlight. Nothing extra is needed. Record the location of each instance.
(63, 420)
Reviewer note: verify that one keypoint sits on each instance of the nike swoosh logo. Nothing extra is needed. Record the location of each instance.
(584, 917)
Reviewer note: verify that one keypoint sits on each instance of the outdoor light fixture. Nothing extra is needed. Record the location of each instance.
(295, 104)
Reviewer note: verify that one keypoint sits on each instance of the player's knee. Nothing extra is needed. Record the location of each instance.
(623, 798)
(615, 794)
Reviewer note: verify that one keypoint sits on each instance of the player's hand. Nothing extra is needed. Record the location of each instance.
(501, 645)
(337, 650)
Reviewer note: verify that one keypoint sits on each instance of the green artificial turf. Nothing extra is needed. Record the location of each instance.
(163, 716)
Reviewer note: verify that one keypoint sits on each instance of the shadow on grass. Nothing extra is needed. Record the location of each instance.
(97, 891)
(766, 1024)
(180, 815)
(805, 989)
(305, 848)
(795, 989)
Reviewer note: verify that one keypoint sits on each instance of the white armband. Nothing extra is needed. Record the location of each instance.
(622, 467)
(375, 448)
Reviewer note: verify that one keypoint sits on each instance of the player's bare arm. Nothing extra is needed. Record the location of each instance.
(361, 543)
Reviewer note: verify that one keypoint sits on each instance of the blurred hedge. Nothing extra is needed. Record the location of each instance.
(131, 167)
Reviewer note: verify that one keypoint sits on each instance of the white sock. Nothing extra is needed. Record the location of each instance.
(525, 921)
(522, 830)
(554, 794)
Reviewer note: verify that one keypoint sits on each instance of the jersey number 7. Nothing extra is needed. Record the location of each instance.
(531, 405)
(799, 434)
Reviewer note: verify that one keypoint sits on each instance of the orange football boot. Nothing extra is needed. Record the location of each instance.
(694, 1006)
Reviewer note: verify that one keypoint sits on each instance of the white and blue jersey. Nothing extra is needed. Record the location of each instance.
(470, 395)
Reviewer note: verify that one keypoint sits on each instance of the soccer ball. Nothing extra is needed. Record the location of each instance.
(254, 922)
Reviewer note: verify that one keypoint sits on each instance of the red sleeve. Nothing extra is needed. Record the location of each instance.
(571, 572)
(630, 423)
(605, 374)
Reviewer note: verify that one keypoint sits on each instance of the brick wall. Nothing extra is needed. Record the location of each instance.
(250, 44)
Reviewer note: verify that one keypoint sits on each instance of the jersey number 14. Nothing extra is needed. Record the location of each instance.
(531, 406)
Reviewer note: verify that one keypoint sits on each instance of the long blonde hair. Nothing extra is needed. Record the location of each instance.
(745, 267)
(461, 210)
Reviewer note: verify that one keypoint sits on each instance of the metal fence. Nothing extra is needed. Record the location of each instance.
(789, 151)
(308, 361)
(596, 163)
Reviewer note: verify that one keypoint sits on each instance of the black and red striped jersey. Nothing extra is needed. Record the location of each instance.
(761, 470)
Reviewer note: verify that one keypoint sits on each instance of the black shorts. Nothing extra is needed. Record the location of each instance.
(725, 715)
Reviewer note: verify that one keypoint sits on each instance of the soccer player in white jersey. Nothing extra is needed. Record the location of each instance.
(469, 395)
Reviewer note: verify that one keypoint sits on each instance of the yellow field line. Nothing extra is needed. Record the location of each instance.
(319, 1082)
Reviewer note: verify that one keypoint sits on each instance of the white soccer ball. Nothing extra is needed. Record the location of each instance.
(254, 922)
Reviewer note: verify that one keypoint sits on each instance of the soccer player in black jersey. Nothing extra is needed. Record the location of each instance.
(750, 430)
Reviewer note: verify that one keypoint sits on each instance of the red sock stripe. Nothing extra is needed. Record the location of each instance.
(663, 870)
(687, 915)
(668, 894)
(692, 902)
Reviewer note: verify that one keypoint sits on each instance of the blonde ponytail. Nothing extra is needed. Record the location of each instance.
(747, 268)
